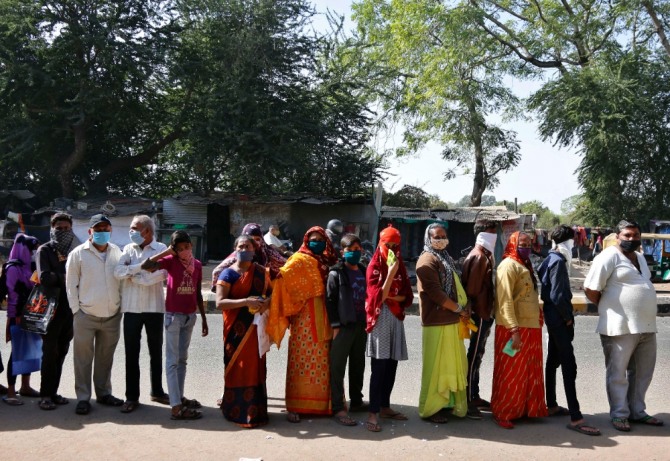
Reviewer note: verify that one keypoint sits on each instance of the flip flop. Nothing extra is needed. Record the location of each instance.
(395, 415)
(648, 420)
(621, 424)
(582, 428)
(559, 411)
(373, 427)
(47, 404)
(29, 393)
(345, 420)
(12, 401)
(438, 419)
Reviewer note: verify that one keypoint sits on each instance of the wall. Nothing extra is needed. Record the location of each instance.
(120, 227)
(304, 216)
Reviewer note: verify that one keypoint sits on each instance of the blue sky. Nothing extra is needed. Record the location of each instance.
(545, 173)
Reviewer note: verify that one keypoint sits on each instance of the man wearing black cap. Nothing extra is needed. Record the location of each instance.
(94, 296)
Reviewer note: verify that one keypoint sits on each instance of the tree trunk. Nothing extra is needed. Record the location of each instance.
(73, 160)
(479, 182)
(658, 25)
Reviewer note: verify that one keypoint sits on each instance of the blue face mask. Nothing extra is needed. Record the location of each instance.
(317, 247)
(101, 238)
(136, 237)
(245, 256)
(352, 257)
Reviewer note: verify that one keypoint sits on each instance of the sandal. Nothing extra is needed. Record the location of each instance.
(345, 420)
(83, 407)
(292, 417)
(648, 420)
(47, 404)
(30, 392)
(164, 399)
(129, 406)
(12, 401)
(59, 400)
(110, 401)
(394, 415)
(373, 427)
(186, 413)
(621, 424)
(438, 419)
(504, 423)
(584, 428)
(191, 403)
(559, 411)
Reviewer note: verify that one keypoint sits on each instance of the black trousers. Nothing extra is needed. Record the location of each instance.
(348, 345)
(55, 346)
(382, 381)
(560, 353)
(476, 351)
(132, 338)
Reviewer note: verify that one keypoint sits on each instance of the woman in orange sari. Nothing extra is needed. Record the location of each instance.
(518, 379)
(298, 302)
(241, 292)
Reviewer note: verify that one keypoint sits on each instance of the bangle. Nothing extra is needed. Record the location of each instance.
(459, 309)
(514, 330)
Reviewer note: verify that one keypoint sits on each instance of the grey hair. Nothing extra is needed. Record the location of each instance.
(146, 222)
(624, 224)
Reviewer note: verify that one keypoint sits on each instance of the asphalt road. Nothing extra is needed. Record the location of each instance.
(148, 433)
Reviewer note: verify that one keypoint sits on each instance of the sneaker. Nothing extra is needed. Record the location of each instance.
(473, 412)
(480, 404)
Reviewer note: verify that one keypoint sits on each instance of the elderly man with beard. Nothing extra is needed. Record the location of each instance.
(51, 258)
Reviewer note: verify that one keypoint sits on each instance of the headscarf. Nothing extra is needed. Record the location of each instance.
(511, 252)
(266, 255)
(64, 241)
(447, 268)
(18, 280)
(327, 258)
(21, 252)
(375, 277)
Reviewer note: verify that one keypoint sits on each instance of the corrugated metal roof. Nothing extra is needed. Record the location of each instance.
(466, 215)
(108, 205)
(184, 213)
(20, 194)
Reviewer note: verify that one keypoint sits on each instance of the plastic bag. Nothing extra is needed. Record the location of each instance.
(40, 309)
(26, 351)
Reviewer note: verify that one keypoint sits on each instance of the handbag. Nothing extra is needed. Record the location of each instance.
(40, 309)
(26, 351)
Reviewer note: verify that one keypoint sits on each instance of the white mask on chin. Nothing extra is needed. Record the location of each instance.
(487, 240)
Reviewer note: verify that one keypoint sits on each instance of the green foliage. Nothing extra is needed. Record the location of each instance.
(152, 97)
(436, 73)
(617, 111)
(408, 197)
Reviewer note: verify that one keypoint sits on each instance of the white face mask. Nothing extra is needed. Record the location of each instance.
(487, 240)
(439, 244)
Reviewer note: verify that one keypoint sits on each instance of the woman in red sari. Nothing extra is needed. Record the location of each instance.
(299, 302)
(241, 292)
(518, 380)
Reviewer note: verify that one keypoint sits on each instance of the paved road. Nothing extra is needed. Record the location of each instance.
(30, 433)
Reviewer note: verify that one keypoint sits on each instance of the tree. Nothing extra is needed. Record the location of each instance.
(408, 197)
(617, 111)
(155, 97)
(439, 76)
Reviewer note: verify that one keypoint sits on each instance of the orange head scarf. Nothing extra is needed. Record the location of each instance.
(389, 235)
(327, 258)
(511, 252)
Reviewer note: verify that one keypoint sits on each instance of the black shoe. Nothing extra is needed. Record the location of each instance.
(480, 404)
(473, 413)
(164, 399)
(83, 407)
(359, 407)
(110, 401)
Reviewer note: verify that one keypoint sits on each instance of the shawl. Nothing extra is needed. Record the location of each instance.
(21, 252)
(376, 275)
(447, 268)
(299, 280)
(511, 252)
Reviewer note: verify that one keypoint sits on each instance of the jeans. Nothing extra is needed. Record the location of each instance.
(178, 330)
(381, 383)
(95, 338)
(55, 346)
(349, 344)
(476, 351)
(560, 353)
(630, 360)
(132, 338)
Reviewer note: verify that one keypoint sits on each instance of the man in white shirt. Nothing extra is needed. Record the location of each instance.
(272, 239)
(94, 297)
(619, 283)
(143, 305)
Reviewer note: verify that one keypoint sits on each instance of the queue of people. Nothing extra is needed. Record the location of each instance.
(338, 312)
